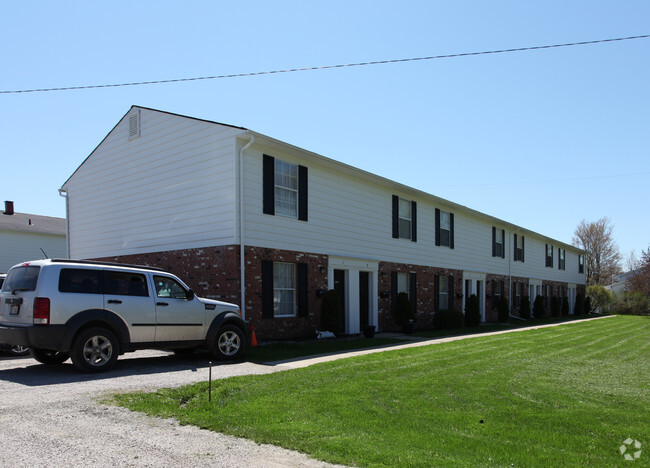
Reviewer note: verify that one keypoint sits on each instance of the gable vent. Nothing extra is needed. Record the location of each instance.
(134, 124)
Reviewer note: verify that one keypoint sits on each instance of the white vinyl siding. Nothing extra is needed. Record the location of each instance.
(172, 188)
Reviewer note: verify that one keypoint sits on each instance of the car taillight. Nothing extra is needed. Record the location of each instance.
(41, 311)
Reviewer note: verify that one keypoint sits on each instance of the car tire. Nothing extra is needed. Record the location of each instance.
(229, 343)
(94, 350)
(47, 356)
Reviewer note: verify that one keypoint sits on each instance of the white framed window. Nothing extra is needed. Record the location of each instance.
(443, 292)
(284, 289)
(405, 219)
(286, 189)
(445, 228)
(403, 283)
(561, 258)
(499, 243)
(549, 255)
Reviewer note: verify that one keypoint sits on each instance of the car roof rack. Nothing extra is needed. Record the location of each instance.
(98, 263)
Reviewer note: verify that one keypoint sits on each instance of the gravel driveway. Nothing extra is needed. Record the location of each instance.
(51, 417)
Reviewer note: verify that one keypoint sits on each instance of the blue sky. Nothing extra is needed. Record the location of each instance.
(541, 139)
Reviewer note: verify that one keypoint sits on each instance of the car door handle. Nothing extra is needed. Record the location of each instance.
(114, 301)
(161, 304)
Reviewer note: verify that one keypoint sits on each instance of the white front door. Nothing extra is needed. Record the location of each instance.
(360, 301)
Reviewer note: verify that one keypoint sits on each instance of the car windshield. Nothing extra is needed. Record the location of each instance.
(21, 279)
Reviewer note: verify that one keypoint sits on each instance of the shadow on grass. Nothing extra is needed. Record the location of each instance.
(281, 351)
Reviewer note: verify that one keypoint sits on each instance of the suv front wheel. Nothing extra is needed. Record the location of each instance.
(229, 343)
(94, 350)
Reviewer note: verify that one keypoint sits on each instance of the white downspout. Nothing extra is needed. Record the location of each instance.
(242, 263)
(64, 193)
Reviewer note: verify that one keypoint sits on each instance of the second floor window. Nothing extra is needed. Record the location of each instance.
(549, 255)
(581, 264)
(404, 219)
(284, 188)
(561, 259)
(519, 248)
(498, 242)
(444, 228)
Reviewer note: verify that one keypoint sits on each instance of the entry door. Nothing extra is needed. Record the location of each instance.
(364, 299)
(339, 287)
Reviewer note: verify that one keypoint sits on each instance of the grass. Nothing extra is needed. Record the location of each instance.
(558, 396)
(281, 351)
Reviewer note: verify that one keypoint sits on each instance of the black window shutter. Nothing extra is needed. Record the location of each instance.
(450, 292)
(268, 184)
(436, 292)
(267, 289)
(522, 248)
(414, 223)
(451, 230)
(303, 286)
(393, 291)
(515, 251)
(503, 239)
(302, 193)
(494, 241)
(437, 226)
(413, 286)
(395, 216)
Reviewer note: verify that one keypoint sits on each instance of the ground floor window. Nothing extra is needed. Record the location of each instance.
(284, 289)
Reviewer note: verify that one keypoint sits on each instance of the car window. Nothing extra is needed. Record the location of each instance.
(126, 284)
(21, 279)
(77, 280)
(169, 287)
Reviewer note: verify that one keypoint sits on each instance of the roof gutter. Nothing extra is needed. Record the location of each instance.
(242, 244)
(64, 193)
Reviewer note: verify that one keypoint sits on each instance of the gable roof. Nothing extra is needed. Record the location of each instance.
(37, 224)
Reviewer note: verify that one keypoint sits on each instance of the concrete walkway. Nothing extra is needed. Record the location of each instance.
(414, 342)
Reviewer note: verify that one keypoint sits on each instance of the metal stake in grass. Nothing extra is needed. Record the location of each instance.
(210, 382)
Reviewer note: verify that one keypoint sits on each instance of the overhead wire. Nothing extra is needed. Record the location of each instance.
(323, 67)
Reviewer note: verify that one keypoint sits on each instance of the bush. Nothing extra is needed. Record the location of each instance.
(503, 309)
(600, 297)
(555, 306)
(565, 305)
(538, 307)
(403, 309)
(579, 306)
(524, 310)
(586, 306)
(630, 304)
(472, 311)
(448, 319)
(332, 317)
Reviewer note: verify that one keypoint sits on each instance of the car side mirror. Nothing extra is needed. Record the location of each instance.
(189, 295)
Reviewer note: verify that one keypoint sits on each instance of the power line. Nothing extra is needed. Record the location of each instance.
(324, 67)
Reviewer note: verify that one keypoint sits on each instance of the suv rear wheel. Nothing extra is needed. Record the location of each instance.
(229, 343)
(47, 356)
(94, 350)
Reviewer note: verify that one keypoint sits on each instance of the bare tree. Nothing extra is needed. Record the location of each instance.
(638, 280)
(603, 259)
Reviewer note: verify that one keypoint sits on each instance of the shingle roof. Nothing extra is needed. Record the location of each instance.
(38, 224)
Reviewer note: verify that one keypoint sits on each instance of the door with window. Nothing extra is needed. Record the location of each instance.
(178, 318)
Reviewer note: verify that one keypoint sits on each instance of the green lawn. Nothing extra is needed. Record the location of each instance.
(559, 396)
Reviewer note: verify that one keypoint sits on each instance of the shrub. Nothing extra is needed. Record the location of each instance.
(586, 306)
(555, 306)
(538, 307)
(524, 310)
(565, 305)
(600, 297)
(579, 305)
(403, 308)
(472, 311)
(630, 304)
(503, 309)
(331, 314)
(447, 319)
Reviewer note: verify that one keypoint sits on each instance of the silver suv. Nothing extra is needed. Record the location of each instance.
(94, 311)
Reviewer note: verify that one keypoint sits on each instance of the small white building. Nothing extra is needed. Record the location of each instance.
(26, 237)
(253, 220)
